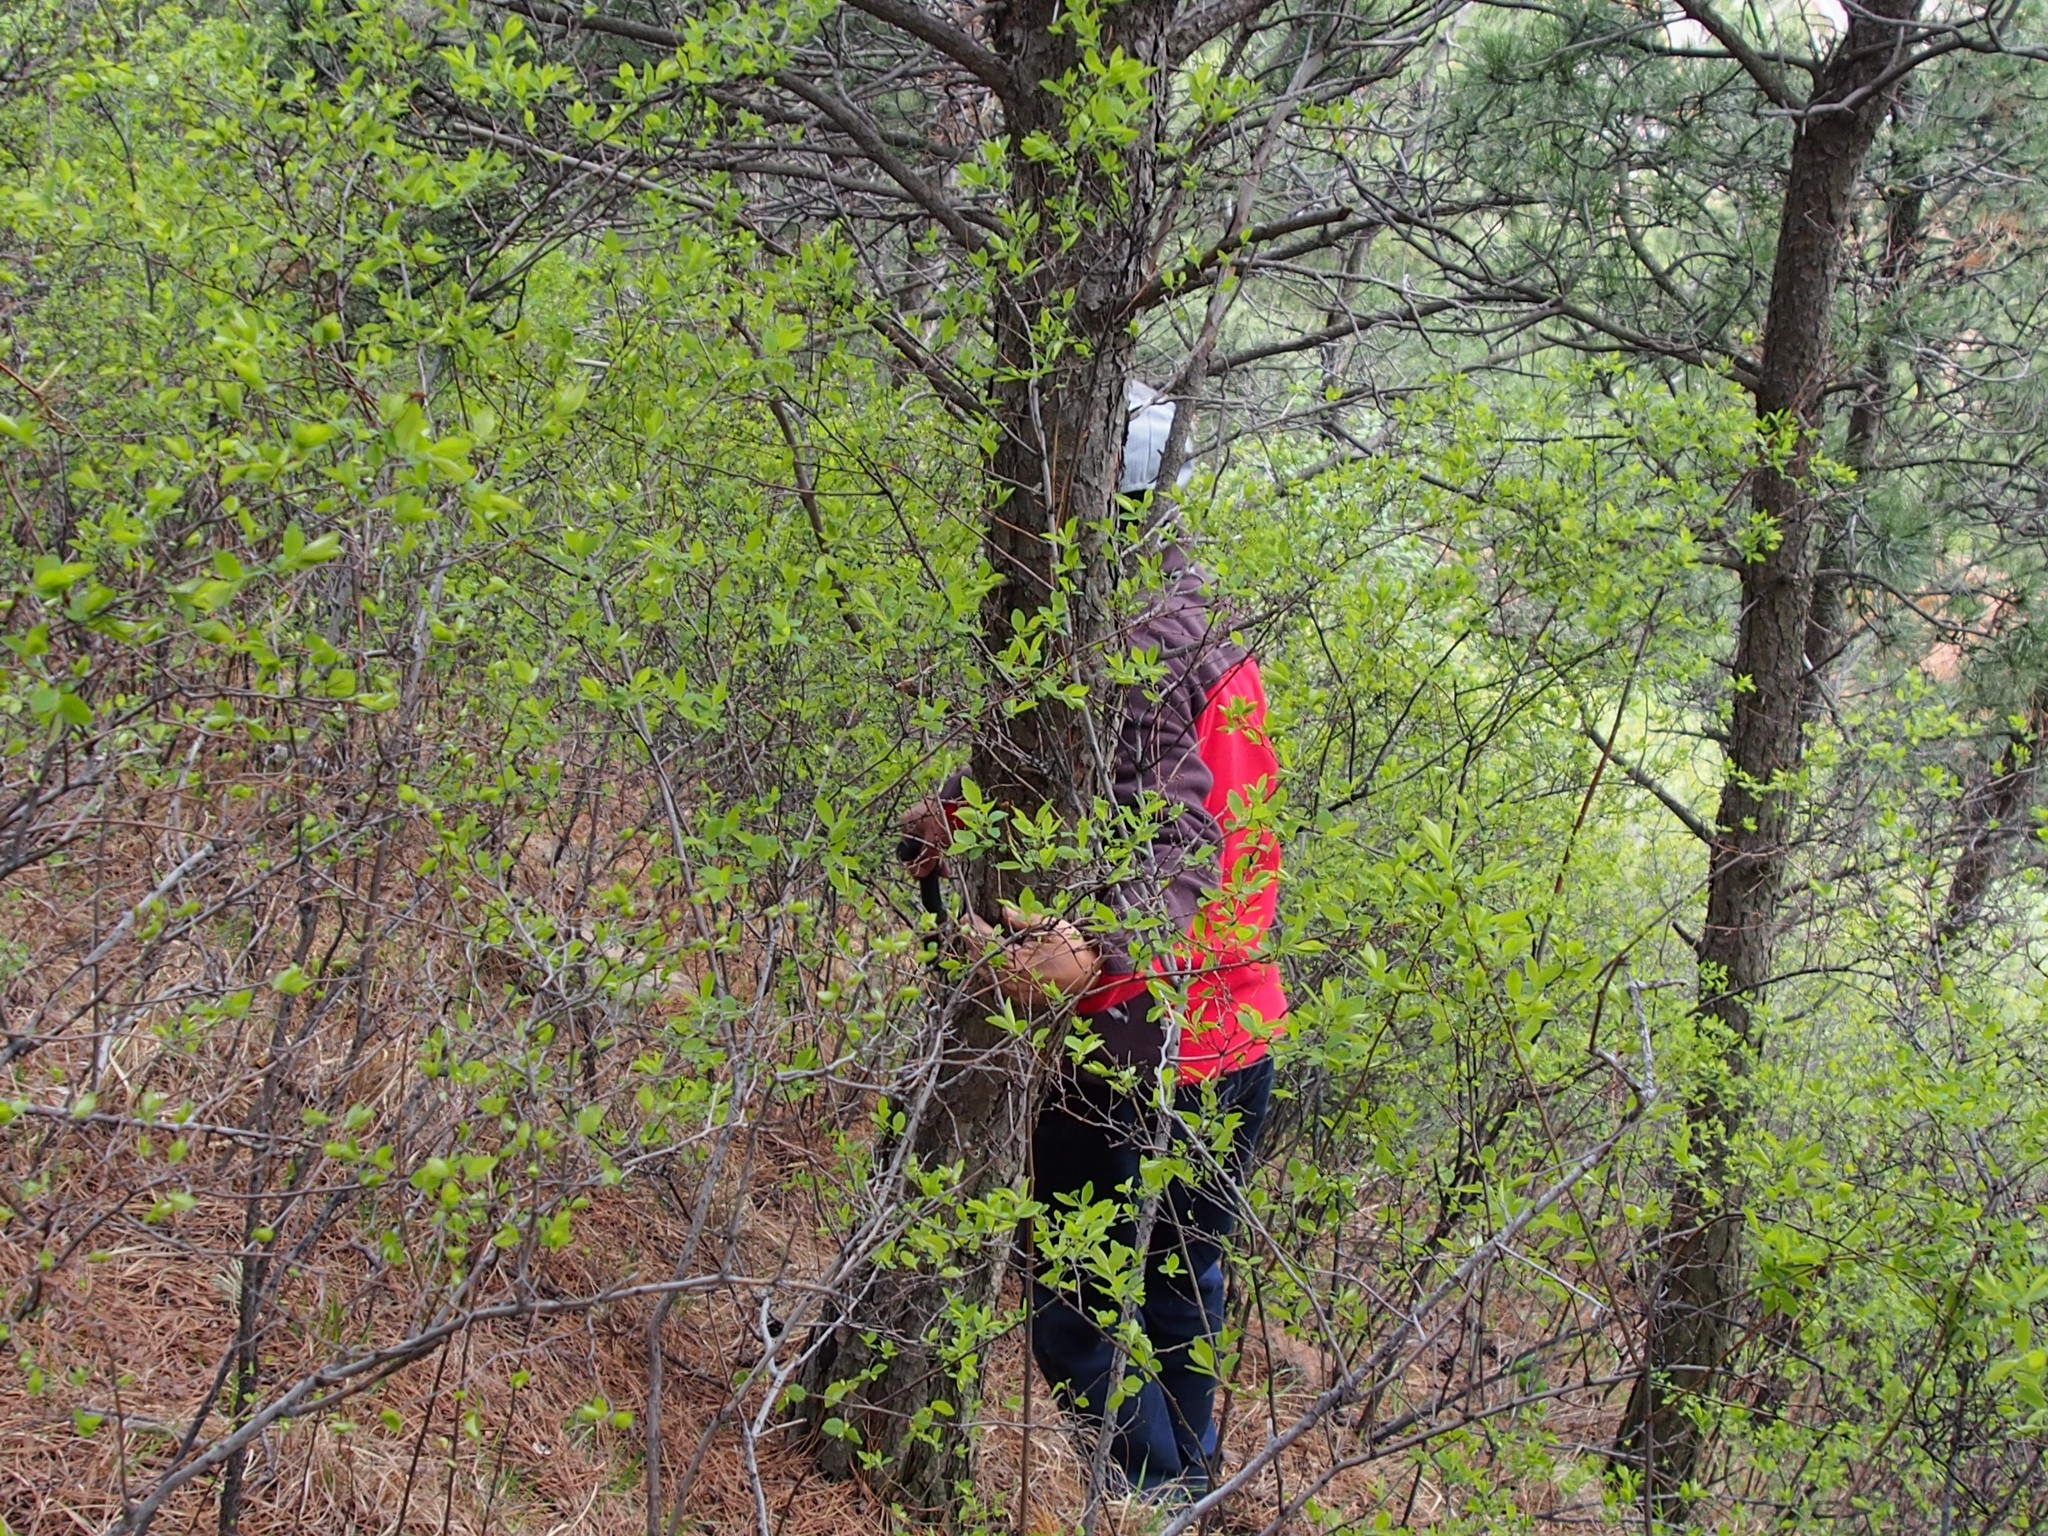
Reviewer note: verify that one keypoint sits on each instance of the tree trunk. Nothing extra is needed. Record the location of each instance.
(1064, 346)
(899, 1339)
(1994, 818)
(1694, 1290)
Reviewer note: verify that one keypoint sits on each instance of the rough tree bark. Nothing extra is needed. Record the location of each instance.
(1697, 1282)
(1064, 345)
(1994, 818)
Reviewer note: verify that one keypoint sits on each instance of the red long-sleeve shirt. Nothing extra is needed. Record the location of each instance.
(1198, 907)
(1220, 957)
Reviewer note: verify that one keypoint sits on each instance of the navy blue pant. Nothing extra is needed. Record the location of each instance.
(1087, 1144)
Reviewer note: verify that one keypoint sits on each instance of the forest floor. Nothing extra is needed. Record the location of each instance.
(121, 1320)
(486, 1437)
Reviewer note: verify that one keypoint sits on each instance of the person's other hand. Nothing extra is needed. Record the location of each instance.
(1047, 961)
(926, 831)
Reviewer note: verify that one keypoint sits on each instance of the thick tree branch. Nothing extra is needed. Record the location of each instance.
(1199, 26)
(1994, 817)
(1767, 79)
(860, 128)
(1953, 43)
(907, 16)
(840, 113)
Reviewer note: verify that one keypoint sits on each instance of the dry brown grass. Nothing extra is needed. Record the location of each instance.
(475, 1453)
(122, 1330)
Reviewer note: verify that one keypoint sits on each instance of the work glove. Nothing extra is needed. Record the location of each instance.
(1044, 963)
(926, 831)
(1040, 963)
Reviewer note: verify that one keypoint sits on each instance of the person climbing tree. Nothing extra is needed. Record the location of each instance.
(1177, 985)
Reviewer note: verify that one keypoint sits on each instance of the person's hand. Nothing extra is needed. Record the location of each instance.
(1045, 962)
(926, 832)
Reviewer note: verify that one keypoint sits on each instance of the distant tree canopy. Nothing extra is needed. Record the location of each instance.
(505, 502)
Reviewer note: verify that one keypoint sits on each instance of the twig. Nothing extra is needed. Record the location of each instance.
(1354, 1382)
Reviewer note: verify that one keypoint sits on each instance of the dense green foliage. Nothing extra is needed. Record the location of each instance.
(480, 590)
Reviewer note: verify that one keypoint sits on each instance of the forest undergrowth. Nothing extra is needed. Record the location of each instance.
(502, 510)
(527, 1416)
